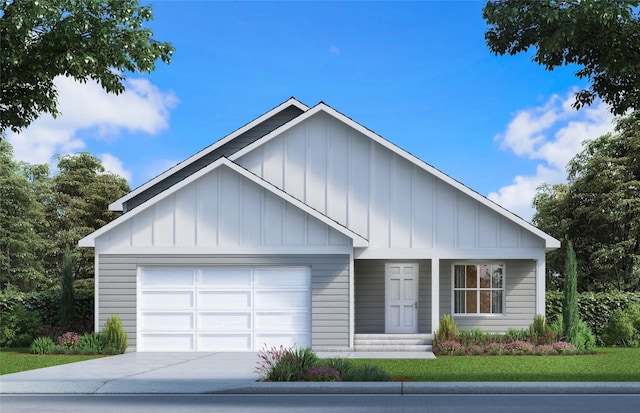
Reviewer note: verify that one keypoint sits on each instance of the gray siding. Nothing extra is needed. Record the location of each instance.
(329, 295)
(520, 306)
(369, 296)
(227, 149)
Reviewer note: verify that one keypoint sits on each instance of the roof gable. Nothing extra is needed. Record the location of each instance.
(138, 214)
(324, 110)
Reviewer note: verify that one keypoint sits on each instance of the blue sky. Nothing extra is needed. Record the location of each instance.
(417, 73)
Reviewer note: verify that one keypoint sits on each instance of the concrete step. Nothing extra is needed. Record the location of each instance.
(393, 342)
(389, 347)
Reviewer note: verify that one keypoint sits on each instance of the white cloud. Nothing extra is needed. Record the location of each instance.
(86, 107)
(334, 50)
(114, 165)
(552, 133)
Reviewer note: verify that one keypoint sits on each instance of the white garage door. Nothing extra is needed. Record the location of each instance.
(223, 308)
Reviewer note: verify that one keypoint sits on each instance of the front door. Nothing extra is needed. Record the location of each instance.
(401, 298)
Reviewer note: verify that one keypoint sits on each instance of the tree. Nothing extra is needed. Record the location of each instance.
(81, 193)
(570, 314)
(601, 37)
(91, 39)
(599, 210)
(67, 299)
(21, 246)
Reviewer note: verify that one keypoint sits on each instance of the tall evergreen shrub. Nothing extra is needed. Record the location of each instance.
(570, 314)
(67, 300)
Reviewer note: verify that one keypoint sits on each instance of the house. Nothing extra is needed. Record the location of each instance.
(305, 228)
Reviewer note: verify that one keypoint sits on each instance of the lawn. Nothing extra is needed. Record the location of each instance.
(14, 360)
(610, 364)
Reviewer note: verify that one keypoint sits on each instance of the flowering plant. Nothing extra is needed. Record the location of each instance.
(68, 340)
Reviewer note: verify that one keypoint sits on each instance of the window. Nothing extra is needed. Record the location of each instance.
(478, 289)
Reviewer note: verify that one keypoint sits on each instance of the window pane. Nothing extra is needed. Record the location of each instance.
(472, 276)
(496, 302)
(485, 276)
(497, 276)
(459, 302)
(485, 302)
(459, 276)
(472, 302)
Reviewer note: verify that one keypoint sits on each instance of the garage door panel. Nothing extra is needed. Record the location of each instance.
(225, 342)
(224, 300)
(167, 342)
(224, 277)
(276, 340)
(265, 300)
(281, 278)
(167, 321)
(224, 322)
(281, 321)
(167, 278)
(170, 300)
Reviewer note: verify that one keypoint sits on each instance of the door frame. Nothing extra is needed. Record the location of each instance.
(387, 299)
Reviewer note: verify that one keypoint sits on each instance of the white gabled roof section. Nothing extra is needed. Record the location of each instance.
(550, 242)
(358, 241)
(119, 204)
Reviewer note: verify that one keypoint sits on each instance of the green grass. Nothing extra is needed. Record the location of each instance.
(14, 360)
(610, 364)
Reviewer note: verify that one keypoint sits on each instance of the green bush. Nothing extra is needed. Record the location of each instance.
(343, 365)
(622, 328)
(284, 364)
(594, 308)
(42, 345)
(447, 330)
(18, 326)
(585, 339)
(91, 343)
(115, 338)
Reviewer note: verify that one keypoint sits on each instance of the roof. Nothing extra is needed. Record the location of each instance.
(550, 242)
(118, 205)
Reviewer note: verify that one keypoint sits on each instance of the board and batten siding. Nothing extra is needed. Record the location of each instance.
(222, 209)
(226, 149)
(370, 296)
(520, 290)
(377, 193)
(117, 290)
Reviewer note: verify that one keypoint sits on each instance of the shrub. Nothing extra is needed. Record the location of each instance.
(68, 340)
(91, 343)
(519, 348)
(495, 349)
(475, 350)
(514, 334)
(621, 328)
(545, 350)
(594, 308)
(115, 338)
(474, 337)
(42, 345)
(342, 365)
(319, 373)
(563, 347)
(67, 311)
(18, 326)
(447, 330)
(284, 364)
(570, 313)
(449, 348)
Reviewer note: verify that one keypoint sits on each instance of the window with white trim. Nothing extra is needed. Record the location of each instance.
(478, 289)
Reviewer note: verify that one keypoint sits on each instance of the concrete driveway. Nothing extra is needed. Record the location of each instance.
(140, 373)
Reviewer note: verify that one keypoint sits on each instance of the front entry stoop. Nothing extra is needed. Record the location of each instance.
(393, 342)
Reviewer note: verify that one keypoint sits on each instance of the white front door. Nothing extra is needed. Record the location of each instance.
(401, 298)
